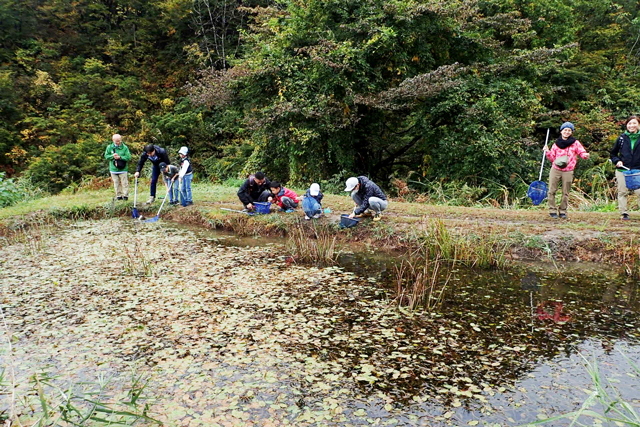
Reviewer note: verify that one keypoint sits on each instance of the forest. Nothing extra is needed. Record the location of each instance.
(453, 93)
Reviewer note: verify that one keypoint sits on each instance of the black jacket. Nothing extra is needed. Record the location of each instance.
(173, 171)
(367, 190)
(161, 155)
(250, 191)
(622, 151)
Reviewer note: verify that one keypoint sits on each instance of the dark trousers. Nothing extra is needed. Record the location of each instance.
(155, 173)
(288, 203)
(262, 198)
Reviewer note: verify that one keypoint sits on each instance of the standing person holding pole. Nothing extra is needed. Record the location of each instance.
(564, 156)
(155, 155)
(185, 177)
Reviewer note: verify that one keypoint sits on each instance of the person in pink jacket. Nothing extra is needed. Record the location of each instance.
(563, 156)
(285, 198)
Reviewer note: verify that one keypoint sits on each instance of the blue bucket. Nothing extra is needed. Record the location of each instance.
(346, 222)
(632, 179)
(262, 207)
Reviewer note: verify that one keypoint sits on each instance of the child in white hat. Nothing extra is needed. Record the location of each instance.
(312, 202)
(185, 176)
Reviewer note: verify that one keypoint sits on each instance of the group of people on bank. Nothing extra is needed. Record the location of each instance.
(369, 199)
(564, 153)
(118, 155)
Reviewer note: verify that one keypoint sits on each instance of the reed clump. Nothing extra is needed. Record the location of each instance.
(313, 243)
(469, 249)
(420, 283)
(32, 237)
(134, 259)
(630, 255)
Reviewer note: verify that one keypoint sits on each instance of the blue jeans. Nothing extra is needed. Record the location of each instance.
(155, 173)
(173, 194)
(185, 194)
(311, 206)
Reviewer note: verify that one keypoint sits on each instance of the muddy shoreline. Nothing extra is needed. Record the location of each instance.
(396, 233)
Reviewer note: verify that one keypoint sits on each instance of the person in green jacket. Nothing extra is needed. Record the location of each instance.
(118, 156)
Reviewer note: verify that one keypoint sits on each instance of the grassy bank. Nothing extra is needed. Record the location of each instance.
(456, 232)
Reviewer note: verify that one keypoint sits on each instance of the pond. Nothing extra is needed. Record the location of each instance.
(231, 332)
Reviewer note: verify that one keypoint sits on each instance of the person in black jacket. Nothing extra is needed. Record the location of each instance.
(367, 196)
(155, 155)
(626, 154)
(255, 189)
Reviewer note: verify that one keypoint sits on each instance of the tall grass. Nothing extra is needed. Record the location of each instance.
(419, 284)
(312, 243)
(631, 259)
(463, 247)
(134, 259)
(32, 237)
(86, 404)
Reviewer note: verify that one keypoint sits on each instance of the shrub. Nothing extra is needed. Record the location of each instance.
(58, 167)
(9, 192)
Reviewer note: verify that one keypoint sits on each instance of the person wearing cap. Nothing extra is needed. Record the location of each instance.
(170, 173)
(312, 202)
(563, 156)
(625, 155)
(155, 155)
(367, 197)
(185, 177)
(118, 155)
(256, 188)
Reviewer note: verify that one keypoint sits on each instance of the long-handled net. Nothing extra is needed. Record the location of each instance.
(538, 189)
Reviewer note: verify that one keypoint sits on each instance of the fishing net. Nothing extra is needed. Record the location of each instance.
(537, 192)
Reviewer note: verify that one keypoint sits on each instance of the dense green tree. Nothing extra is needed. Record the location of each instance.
(314, 89)
(441, 90)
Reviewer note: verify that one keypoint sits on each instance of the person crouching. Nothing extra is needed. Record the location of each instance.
(312, 202)
(367, 196)
(169, 175)
(285, 198)
(254, 189)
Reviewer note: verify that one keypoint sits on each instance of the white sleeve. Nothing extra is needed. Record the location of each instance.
(183, 169)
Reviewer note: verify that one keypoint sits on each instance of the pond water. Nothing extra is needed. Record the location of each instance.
(230, 332)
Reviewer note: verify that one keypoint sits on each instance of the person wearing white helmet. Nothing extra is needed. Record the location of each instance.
(367, 197)
(185, 176)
